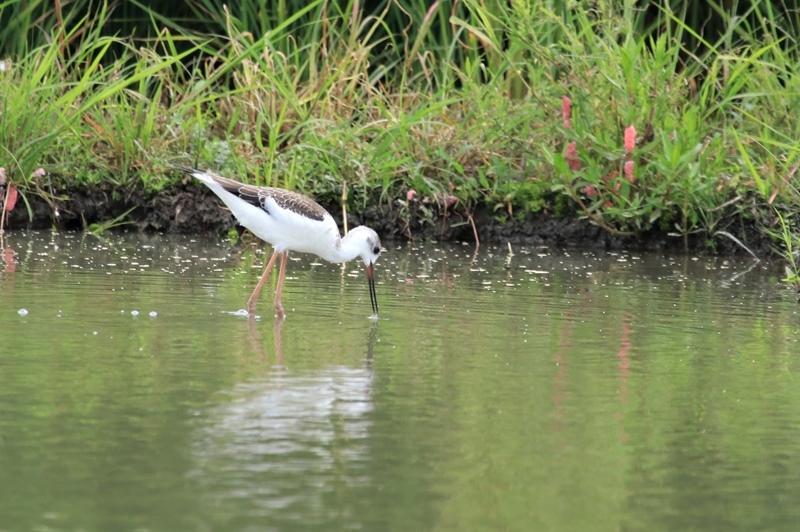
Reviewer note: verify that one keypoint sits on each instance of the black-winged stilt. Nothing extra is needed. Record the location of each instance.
(291, 222)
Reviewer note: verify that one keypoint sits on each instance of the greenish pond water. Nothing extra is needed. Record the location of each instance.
(547, 390)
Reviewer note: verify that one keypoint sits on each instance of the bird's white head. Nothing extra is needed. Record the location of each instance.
(367, 245)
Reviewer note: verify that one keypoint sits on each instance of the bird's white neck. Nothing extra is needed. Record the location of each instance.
(346, 248)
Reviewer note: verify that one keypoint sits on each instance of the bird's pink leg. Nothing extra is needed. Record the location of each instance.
(251, 303)
(279, 289)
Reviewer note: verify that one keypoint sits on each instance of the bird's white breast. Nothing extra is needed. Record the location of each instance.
(288, 230)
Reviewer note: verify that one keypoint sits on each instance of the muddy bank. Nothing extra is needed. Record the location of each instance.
(190, 208)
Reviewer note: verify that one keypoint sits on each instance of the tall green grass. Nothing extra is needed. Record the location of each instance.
(457, 102)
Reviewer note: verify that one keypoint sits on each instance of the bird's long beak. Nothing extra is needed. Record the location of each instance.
(372, 295)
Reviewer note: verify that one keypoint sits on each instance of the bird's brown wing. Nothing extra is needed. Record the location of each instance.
(286, 199)
(292, 201)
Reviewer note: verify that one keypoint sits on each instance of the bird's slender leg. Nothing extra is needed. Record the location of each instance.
(279, 289)
(251, 303)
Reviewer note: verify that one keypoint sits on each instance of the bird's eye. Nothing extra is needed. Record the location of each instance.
(376, 250)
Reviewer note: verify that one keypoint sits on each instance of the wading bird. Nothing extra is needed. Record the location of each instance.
(291, 222)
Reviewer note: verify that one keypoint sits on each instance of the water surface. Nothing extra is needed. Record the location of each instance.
(539, 390)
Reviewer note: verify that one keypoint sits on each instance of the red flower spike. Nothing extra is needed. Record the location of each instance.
(571, 155)
(630, 138)
(566, 111)
(11, 198)
(628, 168)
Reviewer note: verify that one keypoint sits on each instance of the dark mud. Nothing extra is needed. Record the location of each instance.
(189, 208)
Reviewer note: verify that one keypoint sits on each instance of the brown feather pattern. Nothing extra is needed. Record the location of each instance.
(286, 199)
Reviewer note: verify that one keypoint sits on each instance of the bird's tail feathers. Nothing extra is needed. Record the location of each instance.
(194, 172)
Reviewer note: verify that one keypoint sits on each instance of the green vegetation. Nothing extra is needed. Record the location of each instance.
(462, 103)
(787, 245)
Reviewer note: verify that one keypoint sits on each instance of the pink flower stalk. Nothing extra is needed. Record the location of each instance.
(628, 169)
(39, 172)
(10, 199)
(630, 138)
(571, 155)
(411, 194)
(2, 176)
(429, 14)
(589, 191)
(451, 200)
(630, 144)
(566, 111)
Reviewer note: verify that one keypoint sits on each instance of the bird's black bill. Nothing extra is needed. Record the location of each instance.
(372, 295)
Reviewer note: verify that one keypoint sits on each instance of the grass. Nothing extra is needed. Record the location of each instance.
(463, 104)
